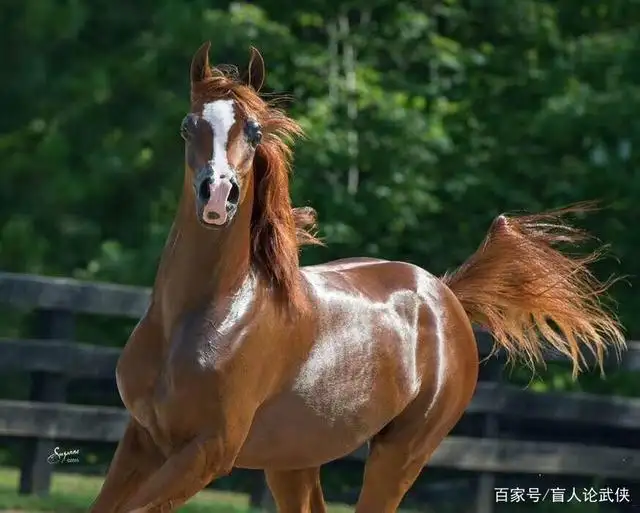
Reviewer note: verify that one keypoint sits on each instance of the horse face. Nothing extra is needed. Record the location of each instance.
(221, 138)
(220, 145)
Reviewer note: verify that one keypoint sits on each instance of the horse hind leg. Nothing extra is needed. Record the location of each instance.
(398, 454)
(296, 491)
(397, 457)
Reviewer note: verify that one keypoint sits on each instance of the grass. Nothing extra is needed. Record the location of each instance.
(73, 493)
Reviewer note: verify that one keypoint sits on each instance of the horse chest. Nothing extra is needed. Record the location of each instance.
(160, 396)
(141, 374)
(136, 387)
(169, 385)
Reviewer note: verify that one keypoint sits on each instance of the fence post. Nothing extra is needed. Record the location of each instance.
(35, 471)
(485, 500)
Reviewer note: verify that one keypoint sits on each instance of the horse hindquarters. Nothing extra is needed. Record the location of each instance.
(404, 447)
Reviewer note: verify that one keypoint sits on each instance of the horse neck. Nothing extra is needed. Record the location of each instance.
(198, 264)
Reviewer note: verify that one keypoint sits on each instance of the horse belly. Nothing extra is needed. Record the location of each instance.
(288, 432)
(360, 373)
(310, 426)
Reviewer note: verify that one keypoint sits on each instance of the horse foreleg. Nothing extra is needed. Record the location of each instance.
(135, 459)
(296, 491)
(190, 469)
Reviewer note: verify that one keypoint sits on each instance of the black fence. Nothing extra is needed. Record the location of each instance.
(52, 358)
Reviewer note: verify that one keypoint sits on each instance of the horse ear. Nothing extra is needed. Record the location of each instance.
(254, 75)
(200, 68)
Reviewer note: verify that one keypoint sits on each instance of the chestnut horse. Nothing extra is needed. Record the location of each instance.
(244, 359)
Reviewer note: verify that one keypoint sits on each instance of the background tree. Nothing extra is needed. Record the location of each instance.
(424, 121)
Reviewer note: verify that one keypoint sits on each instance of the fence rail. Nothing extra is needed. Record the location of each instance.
(52, 358)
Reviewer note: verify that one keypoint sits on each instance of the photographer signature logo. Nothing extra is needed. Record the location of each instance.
(60, 456)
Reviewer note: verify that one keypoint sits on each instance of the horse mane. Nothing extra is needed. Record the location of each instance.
(278, 230)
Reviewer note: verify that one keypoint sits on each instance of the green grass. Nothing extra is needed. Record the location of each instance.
(73, 493)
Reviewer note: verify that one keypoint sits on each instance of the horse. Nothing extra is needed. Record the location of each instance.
(246, 359)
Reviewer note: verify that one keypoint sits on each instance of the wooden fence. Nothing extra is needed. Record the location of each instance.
(52, 358)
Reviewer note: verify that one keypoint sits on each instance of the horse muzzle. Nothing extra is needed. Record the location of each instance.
(217, 197)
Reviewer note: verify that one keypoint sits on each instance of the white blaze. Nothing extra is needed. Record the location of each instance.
(221, 117)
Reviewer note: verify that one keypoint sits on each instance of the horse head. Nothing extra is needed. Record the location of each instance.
(222, 132)
(237, 160)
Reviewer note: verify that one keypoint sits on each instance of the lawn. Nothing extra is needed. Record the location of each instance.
(73, 493)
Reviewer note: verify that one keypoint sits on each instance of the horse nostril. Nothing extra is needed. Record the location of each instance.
(204, 191)
(234, 194)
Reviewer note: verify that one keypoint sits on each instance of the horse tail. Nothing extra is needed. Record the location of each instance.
(525, 291)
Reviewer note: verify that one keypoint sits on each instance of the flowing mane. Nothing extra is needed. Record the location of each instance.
(278, 230)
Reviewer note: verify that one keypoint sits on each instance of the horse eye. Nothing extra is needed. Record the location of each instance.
(187, 127)
(253, 132)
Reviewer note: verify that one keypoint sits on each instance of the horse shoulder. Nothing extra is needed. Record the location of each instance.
(139, 366)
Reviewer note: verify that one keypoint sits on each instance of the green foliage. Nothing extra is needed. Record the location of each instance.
(464, 110)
